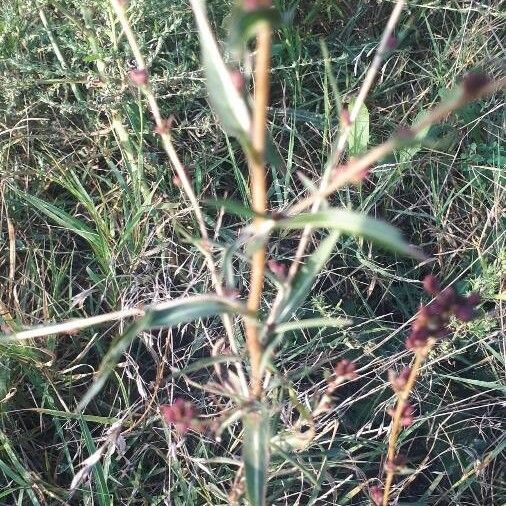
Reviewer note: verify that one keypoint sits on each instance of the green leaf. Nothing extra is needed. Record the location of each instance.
(245, 24)
(489, 385)
(168, 314)
(305, 278)
(355, 224)
(99, 482)
(233, 207)
(227, 102)
(358, 139)
(63, 218)
(256, 455)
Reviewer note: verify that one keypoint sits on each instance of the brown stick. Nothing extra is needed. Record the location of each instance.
(256, 160)
(402, 398)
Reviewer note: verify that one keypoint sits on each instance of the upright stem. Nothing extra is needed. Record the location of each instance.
(402, 397)
(256, 160)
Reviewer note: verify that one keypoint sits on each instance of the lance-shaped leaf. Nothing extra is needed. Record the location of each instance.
(168, 314)
(245, 24)
(256, 455)
(305, 278)
(226, 100)
(355, 224)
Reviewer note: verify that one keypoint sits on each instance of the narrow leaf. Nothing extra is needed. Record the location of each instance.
(169, 314)
(312, 323)
(227, 102)
(255, 454)
(355, 224)
(305, 278)
(62, 218)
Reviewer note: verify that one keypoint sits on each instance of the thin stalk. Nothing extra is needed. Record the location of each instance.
(256, 162)
(168, 146)
(402, 398)
(435, 115)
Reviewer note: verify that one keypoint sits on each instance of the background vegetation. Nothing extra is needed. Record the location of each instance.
(91, 222)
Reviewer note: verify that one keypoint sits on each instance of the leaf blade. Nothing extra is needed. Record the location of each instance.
(256, 455)
(169, 314)
(354, 224)
(227, 102)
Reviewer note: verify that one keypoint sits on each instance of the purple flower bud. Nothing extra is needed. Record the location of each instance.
(181, 414)
(399, 381)
(376, 495)
(431, 284)
(474, 299)
(345, 369)
(407, 415)
(277, 268)
(392, 42)
(139, 77)
(464, 312)
(396, 464)
(447, 297)
(238, 80)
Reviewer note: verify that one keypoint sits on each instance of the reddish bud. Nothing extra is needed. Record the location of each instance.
(376, 495)
(277, 268)
(431, 284)
(474, 82)
(165, 125)
(447, 297)
(237, 78)
(230, 292)
(392, 42)
(181, 414)
(417, 339)
(396, 464)
(345, 117)
(345, 369)
(474, 299)
(176, 181)
(398, 381)
(464, 312)
(139, 77)
(407, 415)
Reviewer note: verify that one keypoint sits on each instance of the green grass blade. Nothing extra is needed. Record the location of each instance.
(102, 492)
(63, 218)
